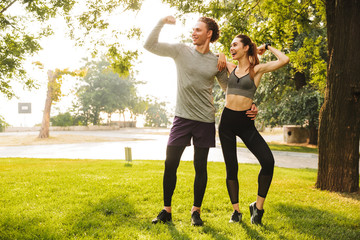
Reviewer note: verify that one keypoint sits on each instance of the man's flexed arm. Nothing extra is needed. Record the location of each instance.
(163, 49)
(169, 20)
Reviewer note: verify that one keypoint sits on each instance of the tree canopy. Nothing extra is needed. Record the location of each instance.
(24, 22)
(103, 91)
(156, 114)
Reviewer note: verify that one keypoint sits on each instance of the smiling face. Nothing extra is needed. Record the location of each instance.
(237, 49)
(201, 34)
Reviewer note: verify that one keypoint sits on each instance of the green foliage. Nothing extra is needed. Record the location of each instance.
(56, 83)
(100, 199)
(103, 91)
(156, 114)
(289, 106)
(19, 39)
(310, 59)
(137, 106)
(3, 124)
(13, 49)
(121, 62)
(219, 101)
(65, 119)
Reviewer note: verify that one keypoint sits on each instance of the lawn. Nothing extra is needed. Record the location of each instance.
(105, 199)
(286, 147)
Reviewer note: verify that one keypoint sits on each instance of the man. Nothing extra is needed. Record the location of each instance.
(195, 111)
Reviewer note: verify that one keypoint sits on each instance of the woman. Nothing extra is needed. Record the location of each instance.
(243, 81)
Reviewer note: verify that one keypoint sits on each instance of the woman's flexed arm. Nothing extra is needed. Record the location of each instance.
(281, 61)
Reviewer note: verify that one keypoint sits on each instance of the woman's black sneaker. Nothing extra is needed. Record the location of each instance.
(195, 219)
(255, 214)
(163, 217)
(236, 217)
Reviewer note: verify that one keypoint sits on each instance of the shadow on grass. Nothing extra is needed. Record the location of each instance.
(214, 232)
(104, 219)
(253, 233)
(355, 195)
(128, 164)
(318, 223)
(26, 227)
(117, 218)
(175, 234)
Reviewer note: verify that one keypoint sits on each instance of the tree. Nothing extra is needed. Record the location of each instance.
(19, 39)
(340, 114)
(137, 106)
(156, 114)
(103, 91)
(53, 95)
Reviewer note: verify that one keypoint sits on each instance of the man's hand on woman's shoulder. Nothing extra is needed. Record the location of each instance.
(221, 62)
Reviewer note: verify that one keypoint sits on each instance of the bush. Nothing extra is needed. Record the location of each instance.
(65, 120)
(3, 124)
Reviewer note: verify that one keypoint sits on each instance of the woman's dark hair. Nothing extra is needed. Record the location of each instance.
(211, 25)
(252, 52)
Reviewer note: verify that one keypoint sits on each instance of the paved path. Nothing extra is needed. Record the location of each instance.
(149, 144)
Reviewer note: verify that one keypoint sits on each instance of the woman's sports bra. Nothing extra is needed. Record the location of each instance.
(243, 86)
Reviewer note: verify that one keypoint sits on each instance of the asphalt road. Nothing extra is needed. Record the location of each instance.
(146, 144)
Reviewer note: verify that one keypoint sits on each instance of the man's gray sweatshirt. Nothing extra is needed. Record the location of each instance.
(196, 74)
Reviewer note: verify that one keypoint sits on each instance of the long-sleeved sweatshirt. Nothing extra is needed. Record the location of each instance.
(196, 74)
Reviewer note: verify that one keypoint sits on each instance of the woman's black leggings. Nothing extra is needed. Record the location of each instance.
(236, 123)
(173, 155)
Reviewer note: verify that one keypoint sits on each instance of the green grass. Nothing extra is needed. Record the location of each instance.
(103, 199)
(288, 148)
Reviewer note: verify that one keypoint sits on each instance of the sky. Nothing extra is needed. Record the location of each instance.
(60, 52)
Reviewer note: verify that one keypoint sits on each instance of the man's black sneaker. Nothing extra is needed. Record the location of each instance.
(163, 217)
(195, 219)
(236, 217)
(255, 214)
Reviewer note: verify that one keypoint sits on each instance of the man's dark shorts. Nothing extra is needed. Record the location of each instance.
(202, 133)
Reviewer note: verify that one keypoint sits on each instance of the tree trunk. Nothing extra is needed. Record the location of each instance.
(313, 135)
(109, 119)
(339, 126)
(300, 80)
(45, 125)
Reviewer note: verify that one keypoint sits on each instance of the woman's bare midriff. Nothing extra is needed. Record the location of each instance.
(238, 103)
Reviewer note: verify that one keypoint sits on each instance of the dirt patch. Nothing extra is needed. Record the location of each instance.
(56, 139)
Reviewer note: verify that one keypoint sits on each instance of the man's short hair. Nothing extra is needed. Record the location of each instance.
(211, 25)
